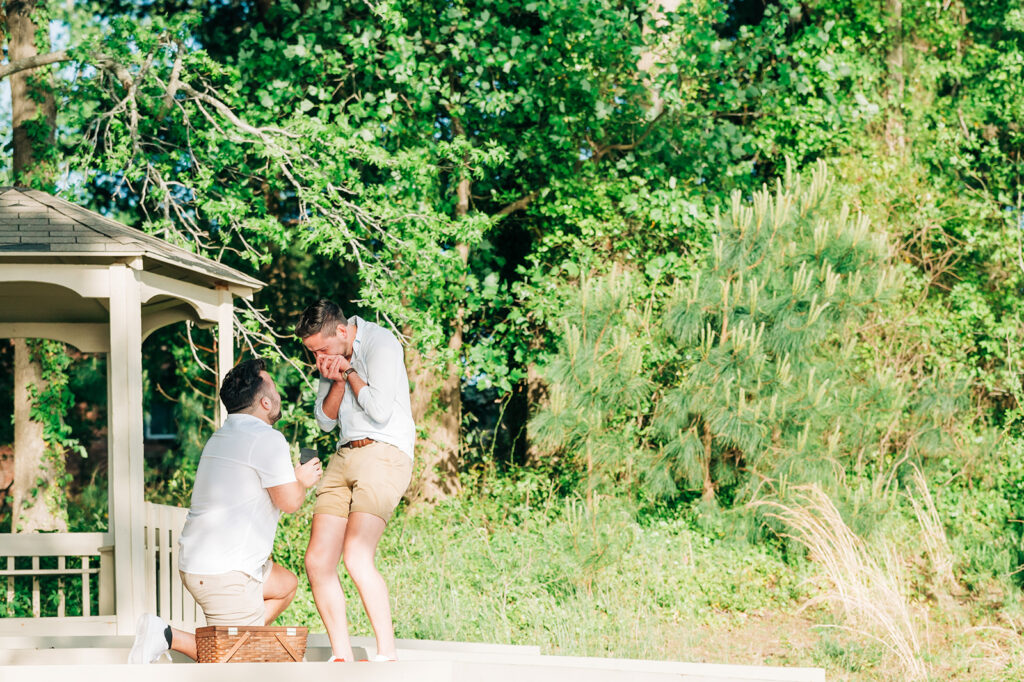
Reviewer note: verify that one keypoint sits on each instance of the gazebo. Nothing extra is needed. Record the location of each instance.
(75, 276)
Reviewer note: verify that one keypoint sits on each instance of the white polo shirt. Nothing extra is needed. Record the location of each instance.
(232, 521)
(383, 410)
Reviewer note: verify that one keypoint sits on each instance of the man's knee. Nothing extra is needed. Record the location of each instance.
(290, 583)
(319, 562)
(359, 564)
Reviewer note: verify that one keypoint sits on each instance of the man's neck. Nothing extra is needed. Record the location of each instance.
(259, 415)
(353, 329)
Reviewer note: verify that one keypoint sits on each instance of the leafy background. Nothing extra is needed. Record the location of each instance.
(649, 400)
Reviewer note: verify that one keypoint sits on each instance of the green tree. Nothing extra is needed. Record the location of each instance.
(766, 340)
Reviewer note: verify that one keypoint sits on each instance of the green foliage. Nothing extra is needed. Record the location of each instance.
(51, 402)
(321, 147)
(600, 386)
(763, 333)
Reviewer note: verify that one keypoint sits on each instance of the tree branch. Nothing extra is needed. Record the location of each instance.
(601, 150)
(175, 82)
(33, 62)
(518, 205)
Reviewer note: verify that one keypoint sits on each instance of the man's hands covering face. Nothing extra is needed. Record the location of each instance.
(332, 366)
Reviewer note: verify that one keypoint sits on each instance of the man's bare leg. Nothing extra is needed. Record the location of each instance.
(322, 556)
(278, 592)
(363, 534)
(184, 642)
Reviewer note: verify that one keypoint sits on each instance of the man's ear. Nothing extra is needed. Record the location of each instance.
(342, 329)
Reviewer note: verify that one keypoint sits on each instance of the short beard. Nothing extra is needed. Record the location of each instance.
(274, 416)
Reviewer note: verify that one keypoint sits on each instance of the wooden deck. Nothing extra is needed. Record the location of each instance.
(101, 658)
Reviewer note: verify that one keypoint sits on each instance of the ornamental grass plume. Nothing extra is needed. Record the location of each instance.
(866, 584)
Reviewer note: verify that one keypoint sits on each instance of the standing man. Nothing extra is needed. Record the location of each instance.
(244, 481)
(364, 391)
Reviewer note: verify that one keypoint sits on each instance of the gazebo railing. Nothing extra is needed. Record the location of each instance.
(62, 575)
(64, 582)
(165, 594)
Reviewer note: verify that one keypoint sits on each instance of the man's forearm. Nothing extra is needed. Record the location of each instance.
(332, 401)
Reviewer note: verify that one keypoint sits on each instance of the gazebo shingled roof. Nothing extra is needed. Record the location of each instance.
(34, 222)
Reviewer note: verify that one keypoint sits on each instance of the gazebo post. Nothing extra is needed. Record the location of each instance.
(225, 343)
(126, 464)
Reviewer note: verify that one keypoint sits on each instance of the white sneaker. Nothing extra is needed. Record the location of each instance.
(150, 640)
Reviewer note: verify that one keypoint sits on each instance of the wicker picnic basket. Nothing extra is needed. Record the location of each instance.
(250, 644)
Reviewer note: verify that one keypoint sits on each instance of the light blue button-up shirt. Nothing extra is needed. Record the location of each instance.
(383, 410)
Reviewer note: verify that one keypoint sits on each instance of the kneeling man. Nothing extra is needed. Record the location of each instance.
(244, 481)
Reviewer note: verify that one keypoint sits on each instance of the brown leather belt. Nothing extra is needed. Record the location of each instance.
(361, 442)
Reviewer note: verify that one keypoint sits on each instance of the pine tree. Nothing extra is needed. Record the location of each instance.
(766, 371)
(599, 387)
(765, 389)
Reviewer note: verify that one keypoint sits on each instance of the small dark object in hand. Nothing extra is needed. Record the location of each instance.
(306, 454)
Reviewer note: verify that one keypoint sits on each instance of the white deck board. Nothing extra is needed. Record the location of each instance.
(536, 670)
(101, 658)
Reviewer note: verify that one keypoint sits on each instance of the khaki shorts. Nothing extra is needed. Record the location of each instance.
(369, 479)
(233, 598)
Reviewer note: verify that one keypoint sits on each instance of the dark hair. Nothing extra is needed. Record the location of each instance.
(322, 317)
(243, 385)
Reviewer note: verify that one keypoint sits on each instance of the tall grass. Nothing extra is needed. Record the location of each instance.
(934, 536)
(866, 583)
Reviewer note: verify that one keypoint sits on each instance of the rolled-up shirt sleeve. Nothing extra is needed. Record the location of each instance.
(383, 367)
(325, 422)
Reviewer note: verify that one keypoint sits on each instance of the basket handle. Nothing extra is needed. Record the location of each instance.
(287, 647)
(238, 645)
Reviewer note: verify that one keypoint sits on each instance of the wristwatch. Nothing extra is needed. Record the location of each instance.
(344, 375)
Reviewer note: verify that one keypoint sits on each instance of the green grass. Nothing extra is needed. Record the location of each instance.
(601, 584)
(571, 582)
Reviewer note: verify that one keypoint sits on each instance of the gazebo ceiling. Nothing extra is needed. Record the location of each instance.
(39, 227)
(40, 302)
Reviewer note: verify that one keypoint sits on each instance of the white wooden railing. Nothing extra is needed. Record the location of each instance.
(84, 561)
(165, 595)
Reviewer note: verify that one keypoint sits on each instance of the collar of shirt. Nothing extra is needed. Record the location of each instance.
(358, 341)
(241, 418)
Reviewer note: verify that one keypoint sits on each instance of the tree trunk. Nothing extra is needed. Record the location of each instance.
(709, 485)
(436, 474)
(649, 60)
(527, 395)
(38, 504)
(438, 413)
(895, 129)
(32, 105)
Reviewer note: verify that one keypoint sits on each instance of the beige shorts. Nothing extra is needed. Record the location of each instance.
(369, 479)
(232, 598)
